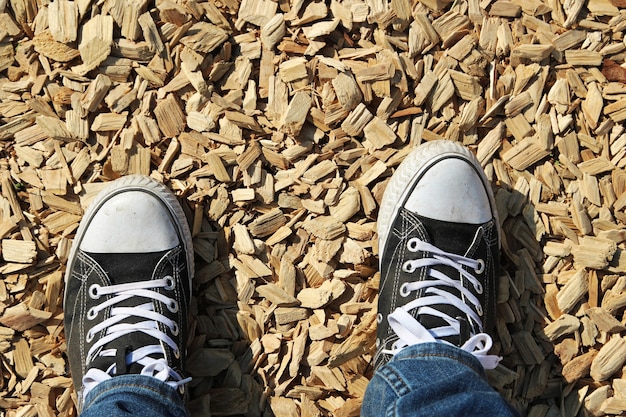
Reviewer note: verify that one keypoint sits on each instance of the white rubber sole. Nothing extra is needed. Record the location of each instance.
(144, 184)
(411, 169)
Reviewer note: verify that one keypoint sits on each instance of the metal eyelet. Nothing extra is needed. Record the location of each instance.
(379, 318)
(170, 283)
(412, 245)
(177, 353)
(479, 288)
(404, 290)
(173, 306)
(175, 329)
(408, 267)
(93, 291)
(377, 343)
(479, 309)
(92, 313)
(481, 267)
(89, 337)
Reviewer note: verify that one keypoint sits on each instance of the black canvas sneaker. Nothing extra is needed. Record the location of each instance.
(127, 286)
(438, 237)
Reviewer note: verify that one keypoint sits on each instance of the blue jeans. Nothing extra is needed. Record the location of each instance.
(133, 395)
(432, 379)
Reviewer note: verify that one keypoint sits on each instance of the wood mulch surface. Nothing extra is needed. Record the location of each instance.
(279, 124)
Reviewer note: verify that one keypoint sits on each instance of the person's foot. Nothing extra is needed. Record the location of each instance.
(438, 237)
(127, 286)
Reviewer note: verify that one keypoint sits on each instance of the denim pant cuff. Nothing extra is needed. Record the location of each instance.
(137, 389)
(441, 350)
(432, 380)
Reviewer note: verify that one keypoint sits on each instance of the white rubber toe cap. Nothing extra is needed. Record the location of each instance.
(451, 191)
(441, 180)
(130, 222)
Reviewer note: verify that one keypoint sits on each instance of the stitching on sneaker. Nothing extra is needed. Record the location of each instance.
(410, 225)
(87, 266)
(438, 289)
(159, 368)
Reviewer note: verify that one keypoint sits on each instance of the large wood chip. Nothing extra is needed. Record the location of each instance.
(277, 295)
(324, 227)
(170, 116)
(96, 43)
(579, 367)
(63, 20)
(20, 251)
(566, 324)
(21, 317)
(204, 37)
(604, 321)
(572, 292)
(268, 223)
(610, 358)
(46, 45)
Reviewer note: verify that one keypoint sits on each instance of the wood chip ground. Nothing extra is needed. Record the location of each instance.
(278, 124)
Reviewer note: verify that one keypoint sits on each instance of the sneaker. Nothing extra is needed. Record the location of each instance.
(438, 238)
(127, 286)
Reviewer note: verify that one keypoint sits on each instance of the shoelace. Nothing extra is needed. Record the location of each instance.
(411, 332)
(114, 329)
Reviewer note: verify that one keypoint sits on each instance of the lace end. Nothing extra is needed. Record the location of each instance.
(479, 345)
(489, 361)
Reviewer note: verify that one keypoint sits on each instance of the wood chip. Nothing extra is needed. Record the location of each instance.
(610, 358)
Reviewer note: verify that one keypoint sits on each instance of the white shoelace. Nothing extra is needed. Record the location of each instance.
(411, 332)
(157, 368)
